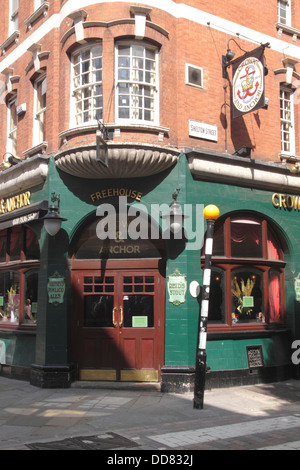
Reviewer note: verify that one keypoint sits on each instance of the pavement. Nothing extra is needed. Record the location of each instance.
(124, 420)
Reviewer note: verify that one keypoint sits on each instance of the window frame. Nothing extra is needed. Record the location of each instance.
(11, 144)
(13, 17)
(39, 135)
(154, 88)
(227, 265)
(284, 90)
(74, 89)
(284, 5)
(22, 267)
(38, 4)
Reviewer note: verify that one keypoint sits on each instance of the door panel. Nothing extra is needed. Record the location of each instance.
(118, 324)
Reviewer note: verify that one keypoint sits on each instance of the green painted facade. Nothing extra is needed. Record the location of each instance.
(53, 343)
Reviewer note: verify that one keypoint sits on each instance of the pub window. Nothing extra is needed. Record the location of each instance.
(247, 278)
(284, 12)
(38, 3)
(287, 121)
(87, 97)
(13, 16)
(137, 82)
(39, 125)
(88, 245)
(12, 125)
(19, 262)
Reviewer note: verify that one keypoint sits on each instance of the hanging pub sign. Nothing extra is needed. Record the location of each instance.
(248, 84)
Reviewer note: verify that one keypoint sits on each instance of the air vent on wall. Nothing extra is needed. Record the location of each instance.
(193, 75)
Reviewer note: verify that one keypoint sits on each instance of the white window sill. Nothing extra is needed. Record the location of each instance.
(287, 29)
(37, 149)
(287, 157)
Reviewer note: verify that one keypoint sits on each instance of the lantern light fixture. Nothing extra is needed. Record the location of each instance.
(53, 219)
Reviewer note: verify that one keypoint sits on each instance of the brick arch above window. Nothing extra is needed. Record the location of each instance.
(12, 82)
(118, 28)
(37, 56)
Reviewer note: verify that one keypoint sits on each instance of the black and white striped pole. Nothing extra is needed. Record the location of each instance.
(211, 213)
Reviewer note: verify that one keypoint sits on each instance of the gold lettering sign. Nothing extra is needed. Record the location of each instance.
(286, 202)
(112, 192)
(15, 202)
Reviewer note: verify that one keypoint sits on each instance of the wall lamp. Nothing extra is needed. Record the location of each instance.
(175, 217)
(53, 220)
(244, 152)
(226, 59)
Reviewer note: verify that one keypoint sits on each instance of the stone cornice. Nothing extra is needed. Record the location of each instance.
(230, 169)
(26, 174)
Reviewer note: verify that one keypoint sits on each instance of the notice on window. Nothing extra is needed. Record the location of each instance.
(248, 301)
(139, 322)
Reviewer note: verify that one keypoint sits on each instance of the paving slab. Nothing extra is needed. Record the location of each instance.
(141, 420)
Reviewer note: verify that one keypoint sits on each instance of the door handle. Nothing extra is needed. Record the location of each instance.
(121, 322)
(113, 317)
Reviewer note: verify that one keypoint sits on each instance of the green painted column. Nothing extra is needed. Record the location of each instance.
(52, 368)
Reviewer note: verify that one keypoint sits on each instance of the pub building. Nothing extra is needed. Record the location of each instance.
(78, 306)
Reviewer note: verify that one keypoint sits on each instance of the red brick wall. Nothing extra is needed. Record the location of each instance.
(187, 42)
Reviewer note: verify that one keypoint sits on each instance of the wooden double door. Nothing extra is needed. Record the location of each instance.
(118, 322)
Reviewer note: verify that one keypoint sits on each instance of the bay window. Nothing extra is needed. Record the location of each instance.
(247, 279)
(87, 97)
(136, 82)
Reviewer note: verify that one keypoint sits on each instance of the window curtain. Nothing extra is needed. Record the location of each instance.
(15, 235)
(2, 239)
(30, 237)
(273, 252)
(240, 232)
(274, 296)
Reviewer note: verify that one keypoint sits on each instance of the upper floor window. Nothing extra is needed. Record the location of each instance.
(39, 127)
(137, 82)
(247, 280)
(87, 85)
(38, 3)
(287, 121)
(13, 16)
(12, 126)
(284, 12)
